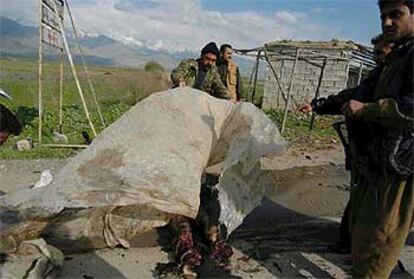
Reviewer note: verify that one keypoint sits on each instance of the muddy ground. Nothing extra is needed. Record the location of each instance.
(285, 237)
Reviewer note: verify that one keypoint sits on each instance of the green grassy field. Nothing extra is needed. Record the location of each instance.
(258, 96)
(117, 90)
(298, 133)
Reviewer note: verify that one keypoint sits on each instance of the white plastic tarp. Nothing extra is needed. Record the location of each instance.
(155, 155)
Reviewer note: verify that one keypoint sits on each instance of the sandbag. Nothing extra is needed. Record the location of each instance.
(32, 260)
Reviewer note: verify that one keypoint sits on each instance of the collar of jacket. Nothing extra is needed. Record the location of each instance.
(404, 45)
(198, 60)
(400, 49)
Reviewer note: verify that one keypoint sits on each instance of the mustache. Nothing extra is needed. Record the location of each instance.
(390, 29)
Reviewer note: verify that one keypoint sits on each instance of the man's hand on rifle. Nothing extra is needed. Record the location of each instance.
(353, 109)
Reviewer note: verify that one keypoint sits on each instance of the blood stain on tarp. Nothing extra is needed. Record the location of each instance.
(102, 168)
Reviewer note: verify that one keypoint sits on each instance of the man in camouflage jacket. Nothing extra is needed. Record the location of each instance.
(201, 73)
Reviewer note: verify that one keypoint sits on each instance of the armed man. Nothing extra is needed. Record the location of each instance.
(332, 105)
(229, 72)
(380, 121)
(201, 73)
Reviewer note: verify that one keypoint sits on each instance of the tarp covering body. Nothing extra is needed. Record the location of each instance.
(155, 155)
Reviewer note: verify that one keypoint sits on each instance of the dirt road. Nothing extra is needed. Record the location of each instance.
(285, 237)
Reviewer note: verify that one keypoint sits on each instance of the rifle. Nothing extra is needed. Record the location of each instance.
(338, 128)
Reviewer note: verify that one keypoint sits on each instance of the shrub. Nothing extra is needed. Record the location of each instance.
(154, 67)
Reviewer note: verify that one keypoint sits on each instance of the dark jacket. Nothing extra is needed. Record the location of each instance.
(385, 130)
(363, 93)
(9, 122)
(391, 114)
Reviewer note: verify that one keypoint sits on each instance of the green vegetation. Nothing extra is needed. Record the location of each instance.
(258, 96)
(154, 67)
(116, 89)
(297, 131)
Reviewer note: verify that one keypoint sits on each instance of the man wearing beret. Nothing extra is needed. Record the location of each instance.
(201, 73)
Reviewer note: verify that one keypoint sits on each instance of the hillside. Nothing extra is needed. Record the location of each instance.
(20, 41)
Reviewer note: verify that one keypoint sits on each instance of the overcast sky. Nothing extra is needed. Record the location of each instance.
(188, 24)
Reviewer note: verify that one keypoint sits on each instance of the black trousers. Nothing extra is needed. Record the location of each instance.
(344, 233)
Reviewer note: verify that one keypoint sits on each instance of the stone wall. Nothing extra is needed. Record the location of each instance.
(305, 79)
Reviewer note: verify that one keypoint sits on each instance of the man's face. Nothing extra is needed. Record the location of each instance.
(397, 22)
(381, 50)
(208, 60)
(3, 137)
(227, 54)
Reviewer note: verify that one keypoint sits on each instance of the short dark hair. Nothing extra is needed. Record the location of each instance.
(9, 122)
(223, 47)
(408, 3)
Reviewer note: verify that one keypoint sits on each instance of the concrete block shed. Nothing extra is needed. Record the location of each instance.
(305, 69)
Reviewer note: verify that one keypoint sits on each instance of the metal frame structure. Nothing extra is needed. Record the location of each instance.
(361, 57)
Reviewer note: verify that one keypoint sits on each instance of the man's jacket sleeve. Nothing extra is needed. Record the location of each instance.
(332, 104)
(180, 72)
(398, 112)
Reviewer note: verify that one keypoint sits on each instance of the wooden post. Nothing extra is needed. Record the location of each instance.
(325, 60)
(275, 75)
(249, 89)
(40, 73)
(282, 65)
(61, 92)
(74, 146)
(361, 67)
(255, 76)
(95, 99)
(72, 65)
(251, 83)
(289, 91)
(348, 67)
